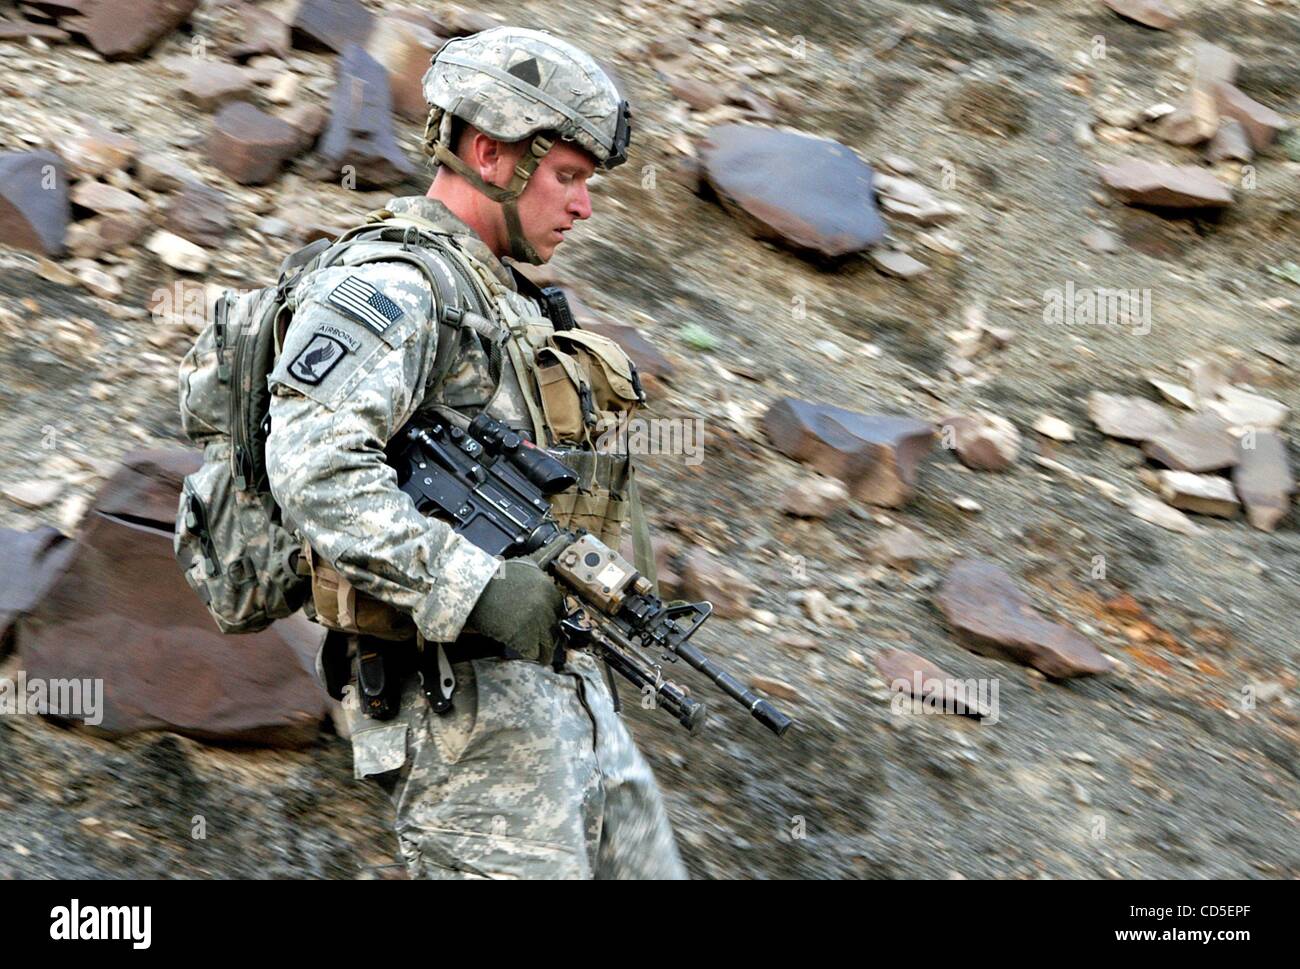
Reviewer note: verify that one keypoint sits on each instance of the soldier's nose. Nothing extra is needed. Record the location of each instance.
(580, 203)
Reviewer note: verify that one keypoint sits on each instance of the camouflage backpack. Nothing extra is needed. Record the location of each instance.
(237, 552)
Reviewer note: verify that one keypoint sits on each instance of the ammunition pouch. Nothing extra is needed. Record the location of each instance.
(587, 384)
(599, 502)
(340, 606)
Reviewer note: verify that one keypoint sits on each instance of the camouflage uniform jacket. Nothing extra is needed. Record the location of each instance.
(532, 774)
(356, 365)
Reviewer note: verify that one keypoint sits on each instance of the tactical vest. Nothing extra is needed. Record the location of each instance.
(497, 351)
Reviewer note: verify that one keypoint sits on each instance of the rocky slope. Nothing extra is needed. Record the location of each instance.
(1179, 762)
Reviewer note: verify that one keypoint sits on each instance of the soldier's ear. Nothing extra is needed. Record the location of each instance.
(494, 160)
(484, 155)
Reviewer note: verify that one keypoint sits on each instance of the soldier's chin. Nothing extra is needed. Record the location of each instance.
(546, 250)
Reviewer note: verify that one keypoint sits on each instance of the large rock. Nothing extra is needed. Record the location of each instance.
(1212, 65)
(177, 252)
(1200, 443)
(263, 33)
(1175, 393)
(704, 577)
(34, 207)
(1195, 120)
(993, 617)
(1262, 123)
(308, 120)
(95, 151)
(122, 614)
(359, 139)
(811, 194)
(1149, 13)
(32, 560)
(330, 25)
(124, 29)
(875, 455)
(405, 50)
(161, 172)
(1263, 479)
(1205, 494)
(1207, 377)
(1230, 141)
(249, 145)
(198, 213)
(1128, 418)
(916, 676)
(104, 199)
(1158, 513)
(1139, 182)
(91, 238)
(211, 84)
(1244, 410)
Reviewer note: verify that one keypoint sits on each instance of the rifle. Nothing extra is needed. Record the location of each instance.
(491, 485)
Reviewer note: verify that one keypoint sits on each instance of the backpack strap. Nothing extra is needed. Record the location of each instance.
(412, 246)
(451, 316)
(642, 550)
(485, 286)
(419, 236)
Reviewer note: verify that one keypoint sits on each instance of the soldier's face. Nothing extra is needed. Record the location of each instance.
(556, 197)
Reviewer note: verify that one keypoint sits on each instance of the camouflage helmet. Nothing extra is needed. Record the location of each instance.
(512, 83)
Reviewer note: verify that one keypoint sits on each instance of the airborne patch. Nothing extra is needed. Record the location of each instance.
(321, 355)
(361, 301)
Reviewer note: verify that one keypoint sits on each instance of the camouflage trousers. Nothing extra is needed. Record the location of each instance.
(532, 775)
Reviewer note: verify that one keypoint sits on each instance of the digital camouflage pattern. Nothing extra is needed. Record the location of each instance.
(228, 538)
(233, 552)
(330, 419)
(465, 80)
(533, 774)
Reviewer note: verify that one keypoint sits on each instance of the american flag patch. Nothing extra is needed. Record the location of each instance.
(358, 299)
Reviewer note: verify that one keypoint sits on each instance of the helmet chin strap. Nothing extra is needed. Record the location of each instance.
(521, 249)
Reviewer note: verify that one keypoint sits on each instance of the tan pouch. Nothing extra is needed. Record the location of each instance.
(340, 606)
(598, 503)
(609, 370)
(561, 386)
(598, 511)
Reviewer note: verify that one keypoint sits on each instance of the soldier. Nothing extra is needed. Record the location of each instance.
(532, 773)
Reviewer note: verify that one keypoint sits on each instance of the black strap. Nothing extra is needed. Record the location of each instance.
(552, 299)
